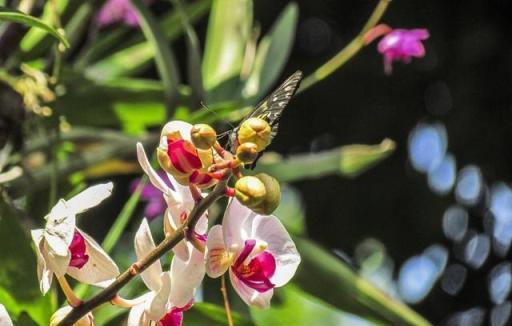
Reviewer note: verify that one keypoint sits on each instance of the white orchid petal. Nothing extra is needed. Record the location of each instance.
(177, 125)
(150, 172)
(59, 232)
(217, 262)
(5, 320)
(202, 224)
(90, 197)
(55, 263)
(232, 223)
(44, 275)
(250, 296)
(280, 245)
(157, 307)
(137, 316)
(59, 211)
(180, 249)
(144, 244)
(100, 269)
(186, 277)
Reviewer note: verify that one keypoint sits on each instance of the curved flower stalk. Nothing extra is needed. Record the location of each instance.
(156, 305)
(398, 44)
(5, 319)
(62, 248)
(257, 250)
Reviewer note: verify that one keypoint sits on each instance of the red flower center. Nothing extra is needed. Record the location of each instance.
(175, 316)
(183, 155)
(258, 272)
(77, 248)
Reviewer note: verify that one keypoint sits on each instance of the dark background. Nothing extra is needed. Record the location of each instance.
(463, 81)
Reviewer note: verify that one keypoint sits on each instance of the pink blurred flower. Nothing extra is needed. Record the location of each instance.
(398, 44)
(155, 201)
(114, 11)
(257, 250)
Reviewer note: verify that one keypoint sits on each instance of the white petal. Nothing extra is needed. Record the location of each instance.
(100, 270)
(232, 223)
(144, 244)
(180, 249)
(59, 230)
(157, 307)
(280, 245)
(217, 262)
(250, 296)
(137, 315)
(55, 263)
(186, 277)
(59, 211)
(5, 320)
(43, 273)
(202, 224)
(90, 197)
(177, 125)
(150, 172)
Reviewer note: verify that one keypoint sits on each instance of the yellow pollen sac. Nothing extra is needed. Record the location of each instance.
(247, 152)
(272, 195)
(250, 191)
(256, 131)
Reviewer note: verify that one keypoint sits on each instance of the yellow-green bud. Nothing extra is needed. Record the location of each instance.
(257, 131)
(250, 191)
(272, 197)
(247, 152)
(203, 136)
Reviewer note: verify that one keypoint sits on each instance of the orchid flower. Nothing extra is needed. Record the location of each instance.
(114, 11)
(178, 156)
(257, 250)
(62, 248)
(5, 320)
(398, 44)
(156, 305)
(188, 263)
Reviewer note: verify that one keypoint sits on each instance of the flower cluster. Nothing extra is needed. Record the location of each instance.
(250, 244)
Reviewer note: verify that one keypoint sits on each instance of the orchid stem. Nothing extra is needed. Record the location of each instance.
(347, 52)
(110, 292)
(224, 291)
(72, 299)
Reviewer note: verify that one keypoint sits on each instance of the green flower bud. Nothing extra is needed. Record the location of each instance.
(250, 191)
(257, 131)
(247, 152)
(272, 196)
(203, 136)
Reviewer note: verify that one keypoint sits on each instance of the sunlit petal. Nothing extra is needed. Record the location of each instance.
(144, 244)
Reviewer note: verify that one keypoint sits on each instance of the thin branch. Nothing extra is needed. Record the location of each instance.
(224, 291)
(167, 244)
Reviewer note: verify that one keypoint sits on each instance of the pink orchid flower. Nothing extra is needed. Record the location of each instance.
(398, 44)
(114, 11)
(157, 305)
(188, 263)
(62, 248)
(257, 250)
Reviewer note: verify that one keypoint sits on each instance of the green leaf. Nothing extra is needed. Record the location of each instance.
(326, 277)
(301, 309)
(19, 17)
(203, 313)
(272, 54)
(133, 59)
(19, 286)
(348, 161)
(229, 29)
(291, 210)
(164, 57)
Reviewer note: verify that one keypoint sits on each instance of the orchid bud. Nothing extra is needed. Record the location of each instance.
(60, 314)
(247, 152)
(203, 136)
(257, 131)
(272, 196)
(250, 191)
